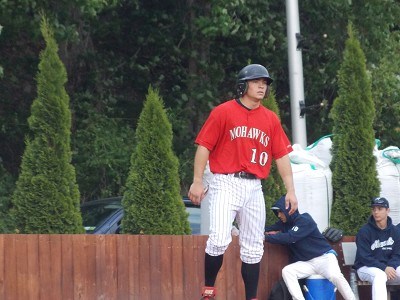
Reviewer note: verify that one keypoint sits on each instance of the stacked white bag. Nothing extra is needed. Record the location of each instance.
(313, 182)
(388, 167)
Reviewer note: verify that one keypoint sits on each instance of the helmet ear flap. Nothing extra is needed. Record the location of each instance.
(241, 88)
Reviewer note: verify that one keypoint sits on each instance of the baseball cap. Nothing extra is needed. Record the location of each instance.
(380, 201)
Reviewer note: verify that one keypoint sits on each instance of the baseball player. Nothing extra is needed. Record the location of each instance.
(378, 250)
(310, 252)
(240, 138)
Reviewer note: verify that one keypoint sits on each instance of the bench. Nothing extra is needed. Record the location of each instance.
(349, 254)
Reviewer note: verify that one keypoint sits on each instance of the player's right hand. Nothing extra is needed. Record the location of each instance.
(196, 192)
(292, 200)
(272, 232)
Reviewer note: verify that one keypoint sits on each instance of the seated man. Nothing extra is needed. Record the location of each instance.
(311, 253)
(378, 250)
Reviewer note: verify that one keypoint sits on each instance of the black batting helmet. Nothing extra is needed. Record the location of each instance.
(250, 72)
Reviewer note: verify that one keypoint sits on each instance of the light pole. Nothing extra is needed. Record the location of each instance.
(297, 101)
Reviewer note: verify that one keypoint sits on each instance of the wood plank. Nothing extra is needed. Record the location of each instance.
(122, 267)
(89, 247)
(100, 265)
(22, 266)
(190, 287)
(166, 267)
(55, 265)
(44, 266)
(144, 267)
(177, 263)
(111, 284)
(67, 262)
(199, 245)
(10, 266)
(33, 281)
(133, 263)
(2, 267)
(106, 262)
(79, 267)
(155, 266)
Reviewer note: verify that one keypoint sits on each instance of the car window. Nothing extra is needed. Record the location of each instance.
(95, 215)
(194, 219)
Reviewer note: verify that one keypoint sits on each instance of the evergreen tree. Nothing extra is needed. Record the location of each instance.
(1, 68)
(152, 200)
(273, 186)
(354, 178)
(385, 92)
(6, 189)
(46, 198)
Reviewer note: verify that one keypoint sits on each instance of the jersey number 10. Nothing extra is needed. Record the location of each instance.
(262, 159)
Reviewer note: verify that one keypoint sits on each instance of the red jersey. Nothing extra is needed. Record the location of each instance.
(243, 140)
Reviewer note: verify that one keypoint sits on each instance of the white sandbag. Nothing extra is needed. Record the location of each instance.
(301, 156)
(313, 184)
(322, 149)
(388, 167)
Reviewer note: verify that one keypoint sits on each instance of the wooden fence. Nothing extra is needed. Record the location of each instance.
(137, 267)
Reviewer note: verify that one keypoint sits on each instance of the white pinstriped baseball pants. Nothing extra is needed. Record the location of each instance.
(230, 198)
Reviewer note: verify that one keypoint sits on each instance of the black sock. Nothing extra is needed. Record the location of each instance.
(212, 264)
(250, 274)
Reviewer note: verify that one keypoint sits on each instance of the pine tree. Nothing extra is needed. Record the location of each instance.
(354, 175)
(273, 186)
(46, 198)
(152, 200)
(6, 190)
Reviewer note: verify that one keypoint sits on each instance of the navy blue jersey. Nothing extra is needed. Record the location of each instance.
(378, 247)
(300, 233)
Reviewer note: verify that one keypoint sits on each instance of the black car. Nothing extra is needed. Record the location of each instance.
(104, 216)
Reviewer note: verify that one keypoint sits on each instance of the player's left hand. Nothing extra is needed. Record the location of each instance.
(390, 272)
(292, 200)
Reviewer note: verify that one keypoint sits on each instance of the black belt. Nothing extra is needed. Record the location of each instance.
(244, 175)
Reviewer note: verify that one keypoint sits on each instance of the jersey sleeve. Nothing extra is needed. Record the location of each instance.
(277, 226)
(301, 229)
(209, 133)
(280, 144)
